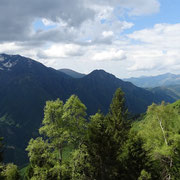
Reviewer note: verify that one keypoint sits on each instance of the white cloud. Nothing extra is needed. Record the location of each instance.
(135, 7)
(63, 51)
(109, 55)
(107, 33)
(164, 35)
(157, 48)
(156, 51)
(9, 47)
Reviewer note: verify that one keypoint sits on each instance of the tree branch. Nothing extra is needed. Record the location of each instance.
(160, 123)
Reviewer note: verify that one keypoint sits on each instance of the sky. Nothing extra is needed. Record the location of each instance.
(128, 38)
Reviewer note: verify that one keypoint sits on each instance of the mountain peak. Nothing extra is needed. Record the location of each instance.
(9, 62)
(101, 74)
(6, 62)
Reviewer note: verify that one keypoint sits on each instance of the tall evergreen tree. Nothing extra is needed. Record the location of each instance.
(117, 130)
(117, 118)
(106, 138)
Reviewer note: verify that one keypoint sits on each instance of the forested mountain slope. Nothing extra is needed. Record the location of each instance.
(25, 86)
(171, 91)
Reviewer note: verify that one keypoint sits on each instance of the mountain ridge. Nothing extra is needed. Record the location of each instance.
(155, 81)
(72, 73)
(26, 86)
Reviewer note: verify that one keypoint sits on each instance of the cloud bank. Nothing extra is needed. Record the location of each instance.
(89, 34)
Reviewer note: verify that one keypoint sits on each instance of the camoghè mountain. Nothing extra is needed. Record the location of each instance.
(25, 86)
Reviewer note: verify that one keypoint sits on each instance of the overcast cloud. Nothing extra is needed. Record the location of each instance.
(89, 34)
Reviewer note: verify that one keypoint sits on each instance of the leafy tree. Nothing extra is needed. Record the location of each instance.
(62, 126)
(81, 164)
(160, 131)
(10, 172)
(41, 159)
(75, 118)
(53, 127)
(7, 171)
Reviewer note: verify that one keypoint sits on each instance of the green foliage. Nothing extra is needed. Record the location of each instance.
(74, 116)
(10, 172)
(160, 131)
(63, 126)
(144, 175)
(176, 106)
(108, 147)
(117, 119)
(106, 136)
(39, 152)
(135, 158)
(81, 166)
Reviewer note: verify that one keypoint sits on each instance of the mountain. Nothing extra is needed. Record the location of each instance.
(155, 81)
(97, 88)
(25, 86)
(72, 73)
(171, 91)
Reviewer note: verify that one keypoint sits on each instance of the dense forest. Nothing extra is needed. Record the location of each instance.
(112, 146)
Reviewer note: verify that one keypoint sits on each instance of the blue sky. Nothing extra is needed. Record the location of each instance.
(169, 13)
(38, 25)
(126, 38)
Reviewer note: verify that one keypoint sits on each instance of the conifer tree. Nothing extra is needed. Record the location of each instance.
(105, 140)
(117, 130)
(117, 118)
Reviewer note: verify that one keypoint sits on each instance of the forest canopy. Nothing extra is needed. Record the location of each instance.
(112, 146)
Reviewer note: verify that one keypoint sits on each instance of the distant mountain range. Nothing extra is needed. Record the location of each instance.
(172, 91)
(155, 81)
(25, 86)
(72, 73)
(165, 85)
